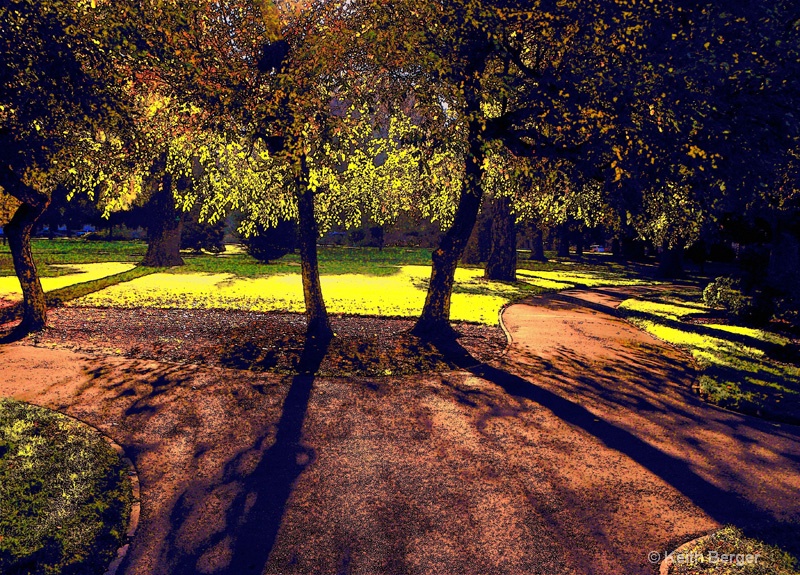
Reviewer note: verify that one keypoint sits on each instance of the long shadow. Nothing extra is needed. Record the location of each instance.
(723, 506)
(254, 517)
(566, 298)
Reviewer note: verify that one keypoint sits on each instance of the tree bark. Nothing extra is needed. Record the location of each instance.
(783, 269)
(434, 322)
(19, 231)
(670, 263)
(165, 224)
(319, 327)
(616, 249)
(563, 241)
(537, 245)
(480, 240)
(579, 244)
(502, 262)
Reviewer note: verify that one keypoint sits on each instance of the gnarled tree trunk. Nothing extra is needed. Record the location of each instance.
(19, 231)
(537, 244)
(502, 262)
(165, 222)
(319, 327)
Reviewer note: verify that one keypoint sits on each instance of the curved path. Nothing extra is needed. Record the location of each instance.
(580, 451)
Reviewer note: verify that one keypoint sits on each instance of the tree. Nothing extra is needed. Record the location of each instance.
(502, 262)
(556, 82)
(62, 89)
(164, 222)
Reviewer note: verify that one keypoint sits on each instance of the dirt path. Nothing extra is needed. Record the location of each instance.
(580, 451)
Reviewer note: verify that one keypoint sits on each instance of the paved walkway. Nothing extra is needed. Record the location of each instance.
(579, 452)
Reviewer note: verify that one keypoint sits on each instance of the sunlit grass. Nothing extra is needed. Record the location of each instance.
(565, 279)
(78, 273)
(735, 369)
(401, 294)
(65, 495)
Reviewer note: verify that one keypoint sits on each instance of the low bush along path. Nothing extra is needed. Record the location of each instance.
(581, 450)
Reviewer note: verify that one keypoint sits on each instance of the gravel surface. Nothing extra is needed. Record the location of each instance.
(580, 451)
(258, 341)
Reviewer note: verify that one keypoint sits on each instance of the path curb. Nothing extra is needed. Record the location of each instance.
(509, 340)
(136, 503)
(669, 561)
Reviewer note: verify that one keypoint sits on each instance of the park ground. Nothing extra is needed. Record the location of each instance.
(581, 448)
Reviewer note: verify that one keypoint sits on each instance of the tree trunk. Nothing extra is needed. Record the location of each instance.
(579, 244)
(502, 262)
(319, 327)
(670, 264)
(537, 245)
(435, 318)
(616, 249)
(164, 226)
(563, 241)
(480, 240)
(783, 270)
(19, 230)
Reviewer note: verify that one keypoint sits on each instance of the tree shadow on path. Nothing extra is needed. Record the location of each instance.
(253, 517)
(723, 506)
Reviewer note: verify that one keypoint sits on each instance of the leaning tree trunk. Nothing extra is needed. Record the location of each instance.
(435, 318)
(164, 227)
(19, 231)
(480, 240)
(537, 245)
(502, 262)
(319, 327)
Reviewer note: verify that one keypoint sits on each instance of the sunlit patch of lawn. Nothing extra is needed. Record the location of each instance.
(737, 369)
(333, 260)
(401, 294)
(563, 279)
(76, 273)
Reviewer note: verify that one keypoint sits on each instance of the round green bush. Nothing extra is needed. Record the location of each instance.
(65, 494)
(268, 244)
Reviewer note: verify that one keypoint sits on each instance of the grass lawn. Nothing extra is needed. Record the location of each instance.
(365, 281)
(65, 495)
(739, 366)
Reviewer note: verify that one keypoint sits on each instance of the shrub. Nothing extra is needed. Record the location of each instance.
(727, 293)
(197, 236)
(268, 244)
